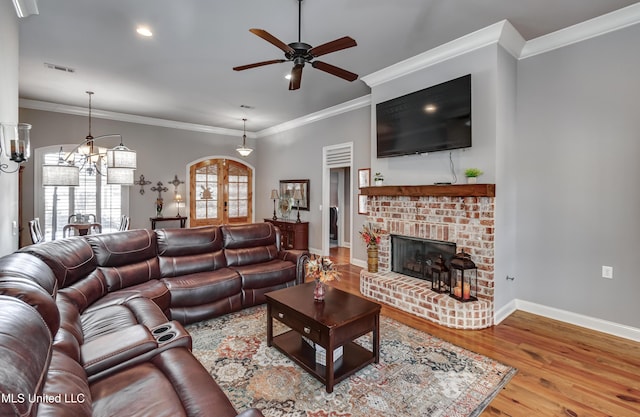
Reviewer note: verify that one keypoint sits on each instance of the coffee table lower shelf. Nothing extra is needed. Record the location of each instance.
(354, 357)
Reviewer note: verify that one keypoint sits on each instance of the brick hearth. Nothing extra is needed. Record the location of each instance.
(467, 221)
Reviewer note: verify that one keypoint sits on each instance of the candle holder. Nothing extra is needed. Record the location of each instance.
(464, 278)
(440, 276)
(15, 143)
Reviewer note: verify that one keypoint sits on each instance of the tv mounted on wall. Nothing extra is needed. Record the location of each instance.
(437, 118)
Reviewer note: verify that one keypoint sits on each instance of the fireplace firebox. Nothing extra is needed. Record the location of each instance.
(424, 259)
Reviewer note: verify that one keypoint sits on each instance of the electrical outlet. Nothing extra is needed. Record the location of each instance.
(607, 272)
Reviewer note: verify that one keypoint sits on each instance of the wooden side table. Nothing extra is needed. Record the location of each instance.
(154, 220)
(334, 323)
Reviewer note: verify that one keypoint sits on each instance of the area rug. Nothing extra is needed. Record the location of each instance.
(418, 375)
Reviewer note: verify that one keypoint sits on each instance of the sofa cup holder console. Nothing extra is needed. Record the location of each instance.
(158, 331)
(168, 332)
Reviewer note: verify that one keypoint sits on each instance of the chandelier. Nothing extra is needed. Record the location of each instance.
(89, 158)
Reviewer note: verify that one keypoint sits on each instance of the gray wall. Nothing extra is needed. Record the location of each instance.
(162, 153)
(433, 167)
(297, 154)
(506, 170)
(8, 114)
(578, 195)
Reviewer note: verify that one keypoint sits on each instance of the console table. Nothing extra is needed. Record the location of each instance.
(294, 235)
(154, 220)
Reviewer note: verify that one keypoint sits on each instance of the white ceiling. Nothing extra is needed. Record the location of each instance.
(184, 73)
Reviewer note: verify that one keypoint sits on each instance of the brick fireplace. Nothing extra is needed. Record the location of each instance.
(462, 214)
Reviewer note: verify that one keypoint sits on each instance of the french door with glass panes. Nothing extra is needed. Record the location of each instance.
(220, 192)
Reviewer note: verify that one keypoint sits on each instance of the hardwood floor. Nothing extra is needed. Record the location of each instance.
(563, 370)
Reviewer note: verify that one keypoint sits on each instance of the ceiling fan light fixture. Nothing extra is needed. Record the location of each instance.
(301, 53)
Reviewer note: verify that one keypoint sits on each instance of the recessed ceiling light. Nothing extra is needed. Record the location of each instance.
(144, 31)
(288, 76)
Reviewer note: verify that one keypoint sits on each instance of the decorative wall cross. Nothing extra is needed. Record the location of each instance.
(159, 202)
(160, 189)
(142, 182)
(176, 182)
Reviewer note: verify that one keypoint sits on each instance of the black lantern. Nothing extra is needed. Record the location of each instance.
(464, 278)
(440, 278)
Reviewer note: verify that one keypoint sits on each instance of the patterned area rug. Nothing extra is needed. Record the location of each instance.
(418, 375)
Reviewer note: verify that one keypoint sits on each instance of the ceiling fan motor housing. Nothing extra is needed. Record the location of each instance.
(301, 51)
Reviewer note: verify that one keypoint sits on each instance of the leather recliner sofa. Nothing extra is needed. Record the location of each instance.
(93, 326)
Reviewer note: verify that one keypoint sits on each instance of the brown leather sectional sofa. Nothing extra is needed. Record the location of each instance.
(92, 326)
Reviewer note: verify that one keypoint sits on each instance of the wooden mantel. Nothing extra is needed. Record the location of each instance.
(457, 190)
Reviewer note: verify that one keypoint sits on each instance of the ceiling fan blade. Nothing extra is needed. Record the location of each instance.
(336, 45)
(259, 64)
(272, 40)
(333, 70)
(296, 77)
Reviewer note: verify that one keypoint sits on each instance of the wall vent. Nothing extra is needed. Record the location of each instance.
(59, 67)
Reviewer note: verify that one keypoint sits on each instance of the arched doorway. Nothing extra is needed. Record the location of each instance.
(220, 192)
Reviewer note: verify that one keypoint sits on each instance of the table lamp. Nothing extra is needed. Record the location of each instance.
(274, 197)
(178, 200)
(297, 195)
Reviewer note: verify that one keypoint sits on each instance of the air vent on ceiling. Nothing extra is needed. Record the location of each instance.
(59, 67)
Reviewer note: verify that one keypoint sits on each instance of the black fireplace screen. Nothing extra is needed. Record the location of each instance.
(415, 257)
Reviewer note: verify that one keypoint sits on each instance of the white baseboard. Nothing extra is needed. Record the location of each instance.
(359, 262)
(504, 312)
(315, 251)
(581, 320)
(592, 323)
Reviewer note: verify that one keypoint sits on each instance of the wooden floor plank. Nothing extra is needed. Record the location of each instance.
(563, 370)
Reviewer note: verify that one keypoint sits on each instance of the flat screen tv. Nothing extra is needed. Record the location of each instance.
(437, 118)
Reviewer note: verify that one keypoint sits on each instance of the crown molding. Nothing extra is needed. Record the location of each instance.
(345, 107)
(130, 118)
(502, 30)
(504, 34)
(616, 20)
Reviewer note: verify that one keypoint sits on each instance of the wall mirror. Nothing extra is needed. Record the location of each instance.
(288, 188)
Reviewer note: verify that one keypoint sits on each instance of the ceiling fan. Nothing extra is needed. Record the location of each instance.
(301, 53)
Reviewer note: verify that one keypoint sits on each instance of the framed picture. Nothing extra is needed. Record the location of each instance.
(289, 187)
(364, 177)
(362, 204)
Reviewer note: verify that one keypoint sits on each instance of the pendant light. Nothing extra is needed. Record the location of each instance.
(243, 150)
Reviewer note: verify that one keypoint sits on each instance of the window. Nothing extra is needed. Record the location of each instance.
(94, 196)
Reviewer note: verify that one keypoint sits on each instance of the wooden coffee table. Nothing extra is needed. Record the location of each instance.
(337, 321)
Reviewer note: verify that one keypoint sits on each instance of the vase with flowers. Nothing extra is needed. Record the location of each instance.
(322, 270)
(371, 237)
